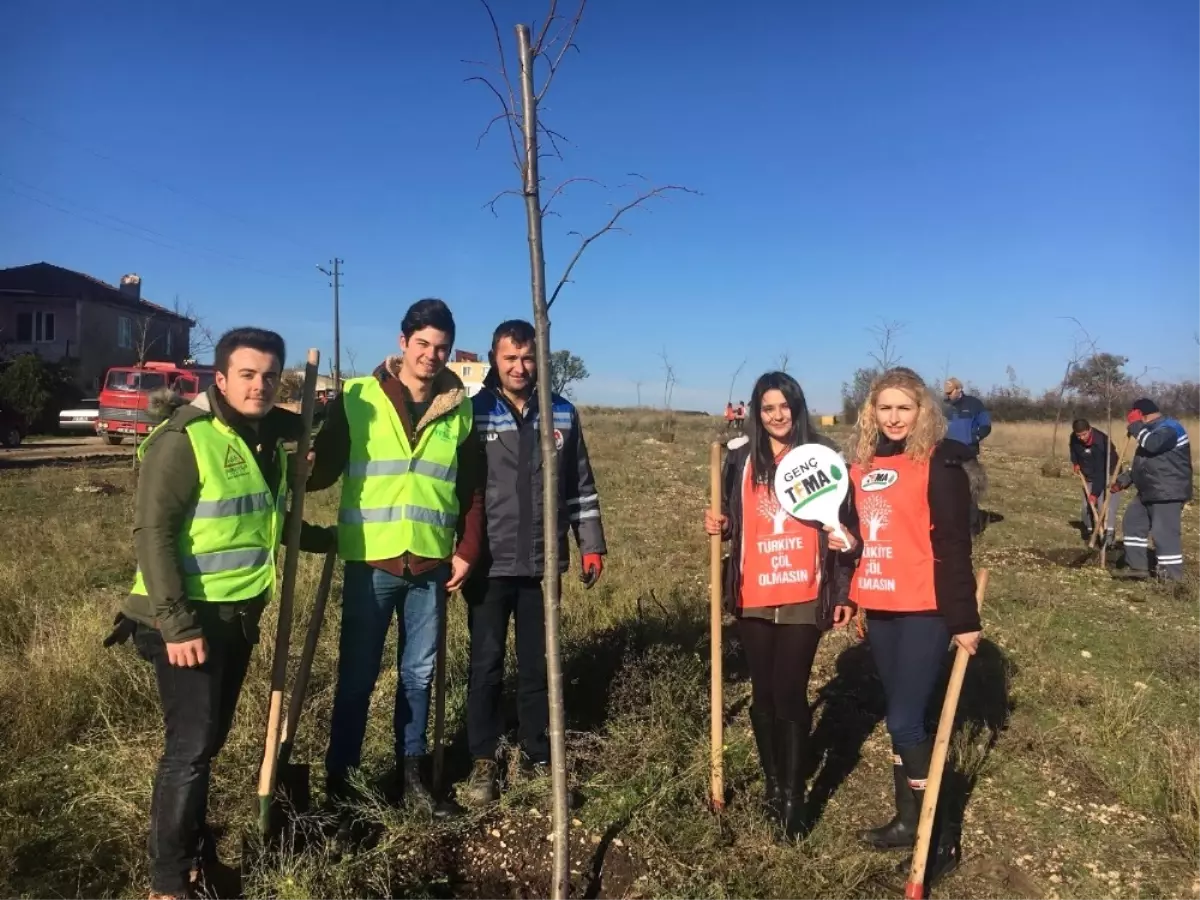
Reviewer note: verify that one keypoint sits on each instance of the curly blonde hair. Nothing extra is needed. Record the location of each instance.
(927, 431)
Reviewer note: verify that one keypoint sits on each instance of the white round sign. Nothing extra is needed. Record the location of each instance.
(811, 481)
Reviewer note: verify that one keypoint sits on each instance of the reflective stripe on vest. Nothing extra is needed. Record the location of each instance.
(228, 540)
(397, 499)
(895, 573)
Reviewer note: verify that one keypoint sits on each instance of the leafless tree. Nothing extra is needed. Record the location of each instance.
(885, 333)
(784, 358)
(638, 385)
(518, 114)
(733, 379)
(351, 368)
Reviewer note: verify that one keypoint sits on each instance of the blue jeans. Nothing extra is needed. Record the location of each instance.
(908, 651)
(369, 598)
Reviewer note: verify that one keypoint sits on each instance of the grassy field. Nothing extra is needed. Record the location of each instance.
(1078, 741)
(1037, 438)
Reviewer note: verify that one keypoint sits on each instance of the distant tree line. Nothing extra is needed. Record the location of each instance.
(1092, 388)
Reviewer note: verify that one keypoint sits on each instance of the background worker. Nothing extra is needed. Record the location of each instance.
(786, 582)
(1094, 457)
(1162, 474)
(507, 583)
(740, 416)
(409, 529)
(968, 422)
(207, 524)
(730, 416)
(915, 581)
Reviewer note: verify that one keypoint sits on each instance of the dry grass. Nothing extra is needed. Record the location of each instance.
(1069, 759)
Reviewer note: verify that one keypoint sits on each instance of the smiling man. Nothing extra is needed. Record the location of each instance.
(207, 524)
(508, 582)
(409, 528)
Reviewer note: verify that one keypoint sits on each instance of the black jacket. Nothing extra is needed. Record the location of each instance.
(950, 532)
(1091, 459)
(836, 568)
(512, 459)
(1162, 463)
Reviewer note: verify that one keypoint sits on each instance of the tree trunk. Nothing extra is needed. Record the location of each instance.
(551, 581)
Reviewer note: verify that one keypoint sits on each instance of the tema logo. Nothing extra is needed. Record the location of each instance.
(879, 479)
(558, 439)
(235, 463)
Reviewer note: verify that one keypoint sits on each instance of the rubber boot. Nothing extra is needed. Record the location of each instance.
(791, 777)
(901, 831)
(944, 849)
(767, 740)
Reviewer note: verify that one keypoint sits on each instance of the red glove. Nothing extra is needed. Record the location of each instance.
(1115, 488)
(1135, 415)
(1075, 468)
(1092, 499)
(593, 565)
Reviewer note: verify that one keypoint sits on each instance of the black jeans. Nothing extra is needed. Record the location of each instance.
(908, 650)
(490, 602)
(780, 658)
(198, 706)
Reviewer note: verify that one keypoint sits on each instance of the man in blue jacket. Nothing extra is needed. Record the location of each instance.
(507, 583)
(1162, 474)
(968, 423)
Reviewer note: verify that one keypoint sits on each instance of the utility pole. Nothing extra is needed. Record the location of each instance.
(335, 282)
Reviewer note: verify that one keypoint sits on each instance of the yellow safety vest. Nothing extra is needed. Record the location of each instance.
(395, 499)
(228, 541)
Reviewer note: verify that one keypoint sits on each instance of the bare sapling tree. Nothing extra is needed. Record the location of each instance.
(669, 382)
(784, 358)
(638, 386)
(885, 353)
(518, 112)
(734, 377)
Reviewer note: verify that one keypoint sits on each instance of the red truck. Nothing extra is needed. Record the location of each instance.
(125, 395)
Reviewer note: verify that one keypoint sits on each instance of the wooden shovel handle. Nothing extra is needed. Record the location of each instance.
(717, 698)
(915, 889)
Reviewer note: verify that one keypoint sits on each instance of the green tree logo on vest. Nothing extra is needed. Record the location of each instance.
(235, 463)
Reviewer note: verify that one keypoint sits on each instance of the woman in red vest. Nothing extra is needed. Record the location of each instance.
(914, 580)
(786, 580)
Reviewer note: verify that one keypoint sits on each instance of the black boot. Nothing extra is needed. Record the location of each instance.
(944, 849)
(901, 831)
(791, 777)
(413, 790)
(767, 739)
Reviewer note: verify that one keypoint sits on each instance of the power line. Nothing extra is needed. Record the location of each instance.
(58, 135)
(223, 258)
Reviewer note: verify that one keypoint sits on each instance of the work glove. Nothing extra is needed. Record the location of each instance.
(1092, 499)
(593, 565)
(1075, 468)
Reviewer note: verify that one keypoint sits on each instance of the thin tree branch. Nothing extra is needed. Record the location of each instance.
(558, 190)
(491, 204)
(550, 17)
(510, 106)
(566, 44)
(611, 225)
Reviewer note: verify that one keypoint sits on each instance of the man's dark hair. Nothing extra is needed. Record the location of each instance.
(1080, 425)
(518, 331)
(255, 338)
(428, 313)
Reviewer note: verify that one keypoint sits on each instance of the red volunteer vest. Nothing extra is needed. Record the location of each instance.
(779, 552)
(895, 573)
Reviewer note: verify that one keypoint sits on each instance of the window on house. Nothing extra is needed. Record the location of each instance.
(125, 333)
(43, 327)
(466, 371)
(24, 328)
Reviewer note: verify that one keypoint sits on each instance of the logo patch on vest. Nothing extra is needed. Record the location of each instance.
(558, 439)
(879, 479)
(235, 463)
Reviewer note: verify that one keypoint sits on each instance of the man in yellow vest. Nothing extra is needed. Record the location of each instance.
(207, 525)
(409, 529)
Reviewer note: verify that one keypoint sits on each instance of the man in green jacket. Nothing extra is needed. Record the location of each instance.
(208, 521)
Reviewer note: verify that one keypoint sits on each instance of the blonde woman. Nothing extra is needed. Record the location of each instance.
(914, 580)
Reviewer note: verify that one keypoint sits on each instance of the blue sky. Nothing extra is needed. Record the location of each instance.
(977, 170)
